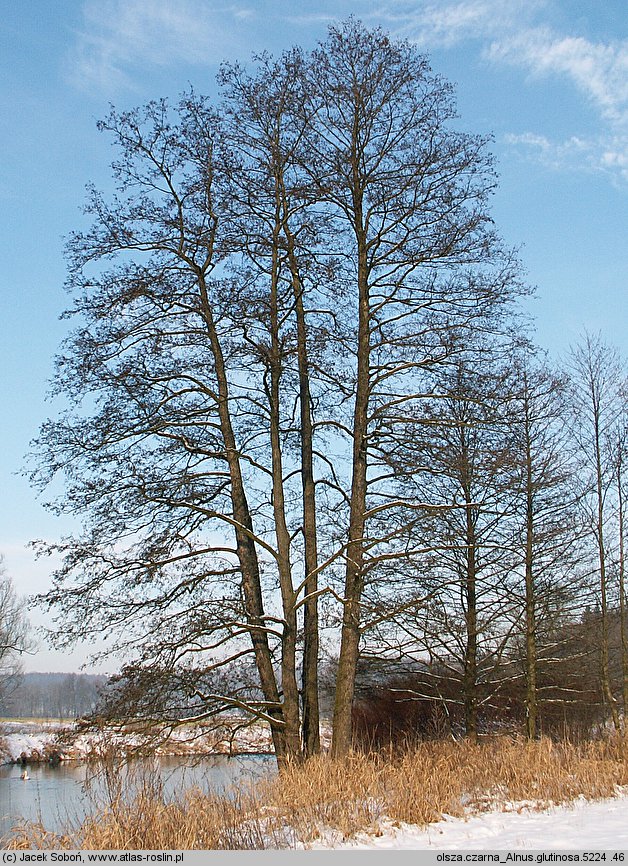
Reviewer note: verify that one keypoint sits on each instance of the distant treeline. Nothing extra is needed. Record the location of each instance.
(52, 696)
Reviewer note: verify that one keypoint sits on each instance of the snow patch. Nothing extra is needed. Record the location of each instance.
(581, 825)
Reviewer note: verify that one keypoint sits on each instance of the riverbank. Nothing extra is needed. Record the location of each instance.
(29, 741)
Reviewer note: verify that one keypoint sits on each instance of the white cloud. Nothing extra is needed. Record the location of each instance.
(511, 33)
(616, 159)
(118, 34)
(599, 70)
(552, 154)
(445, 24)
(604, 154)
(516, 33)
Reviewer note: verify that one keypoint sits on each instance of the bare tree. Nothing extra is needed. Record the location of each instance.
(158, 467)
(621, 530)
(548, 535)
(261, 308)
(597, 403)
(466, 475)
(14, 634)
(616, 446)
(271, 197)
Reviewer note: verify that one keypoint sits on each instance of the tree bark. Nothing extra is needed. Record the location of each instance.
(622, 584)
(354, 577)
(471, 617)
(530, 610)
(288, 598)
(311, 712)
(245, 545)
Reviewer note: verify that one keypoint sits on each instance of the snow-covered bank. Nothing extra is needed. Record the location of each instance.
(37, 741)
(584, 825)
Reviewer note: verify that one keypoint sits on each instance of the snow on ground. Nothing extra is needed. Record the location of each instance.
(37, 740)
(583, 825)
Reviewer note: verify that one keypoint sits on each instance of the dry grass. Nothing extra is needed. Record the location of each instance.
(147, 822)
(195, 823)
(417, 786)
(456, 776)
(433, 779)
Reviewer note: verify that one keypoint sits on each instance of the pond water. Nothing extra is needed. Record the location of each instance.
(60, 797)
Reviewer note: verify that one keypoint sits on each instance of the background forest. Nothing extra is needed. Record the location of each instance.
(307, 434)
(52, 696)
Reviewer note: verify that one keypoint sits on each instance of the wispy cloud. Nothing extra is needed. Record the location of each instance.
(516, 33)
(598, 70)
(444, 24)
(607, 154)
(117, 36)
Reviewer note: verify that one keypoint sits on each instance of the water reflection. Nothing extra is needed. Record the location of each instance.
(61, 796)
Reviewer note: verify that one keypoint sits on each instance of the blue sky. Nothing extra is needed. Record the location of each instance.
(548, 78)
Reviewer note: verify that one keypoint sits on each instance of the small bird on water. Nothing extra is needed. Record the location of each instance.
(25, 777)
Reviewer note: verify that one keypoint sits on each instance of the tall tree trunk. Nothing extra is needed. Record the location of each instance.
(622, 586)
(310, 698)
(531, 705)
(245, 544)
(354, 576)
(470, 675)
(311, 711)
(604, 637)
(288, 598)
(530, 622)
